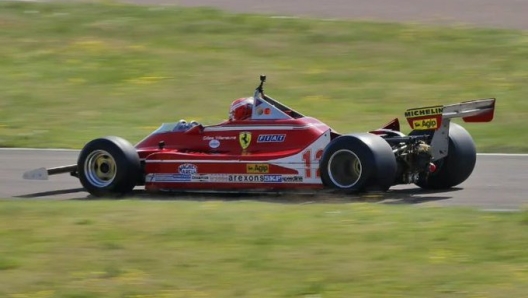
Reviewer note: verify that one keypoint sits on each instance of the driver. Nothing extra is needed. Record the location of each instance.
(241, 109)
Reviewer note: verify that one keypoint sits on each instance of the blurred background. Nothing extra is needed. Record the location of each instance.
(72, 71)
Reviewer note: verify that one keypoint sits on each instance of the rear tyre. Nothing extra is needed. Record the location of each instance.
(459, 163)
(358, 162)
(108, 166)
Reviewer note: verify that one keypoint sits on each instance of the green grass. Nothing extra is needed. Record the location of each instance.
(133, 249)
(73, 72)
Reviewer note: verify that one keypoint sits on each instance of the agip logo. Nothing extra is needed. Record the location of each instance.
(425, 124)
(258, 168)
(244, 138)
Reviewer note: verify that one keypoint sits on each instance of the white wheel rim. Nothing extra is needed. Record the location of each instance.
(344, 166)
(100, 168)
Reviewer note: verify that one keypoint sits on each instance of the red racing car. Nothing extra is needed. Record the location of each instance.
(267, 146)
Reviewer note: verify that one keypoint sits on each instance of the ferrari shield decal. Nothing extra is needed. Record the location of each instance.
(245, 139)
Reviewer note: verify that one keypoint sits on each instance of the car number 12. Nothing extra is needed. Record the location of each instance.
(309, 156)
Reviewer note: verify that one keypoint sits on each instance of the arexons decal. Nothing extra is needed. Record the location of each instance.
(255, 178)
(245, 178)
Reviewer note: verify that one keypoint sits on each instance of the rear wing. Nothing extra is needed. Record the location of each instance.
(480, 110)
(427, 118)
(436, 119)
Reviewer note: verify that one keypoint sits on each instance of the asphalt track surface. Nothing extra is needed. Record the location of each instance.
(498, 182)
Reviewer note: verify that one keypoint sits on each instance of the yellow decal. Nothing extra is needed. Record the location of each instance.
(260, 168)
(245, 139)
(424, 124)
(420, 112)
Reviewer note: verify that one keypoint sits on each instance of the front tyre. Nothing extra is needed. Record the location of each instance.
(358, 162)
(108, 166)
(459, 163)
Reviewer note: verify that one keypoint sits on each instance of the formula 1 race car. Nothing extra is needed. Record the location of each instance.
(267, 146)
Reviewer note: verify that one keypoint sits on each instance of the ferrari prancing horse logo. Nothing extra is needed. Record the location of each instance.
(244, 138)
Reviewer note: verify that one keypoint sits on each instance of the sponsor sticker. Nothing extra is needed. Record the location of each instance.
(225, 138)
(425, 118)
(271, 138)
(222, 178)
(264, 179)
(424, 124)
(253, 168)
(245, 178)
(255, 178)
(245, 139)
(187, 168)
(168, 178)
(214, 144)
(272, 178)
(200, 178)
(220, 138)
(292, 179)
(263, 111)
(218, 178)
(428, 111)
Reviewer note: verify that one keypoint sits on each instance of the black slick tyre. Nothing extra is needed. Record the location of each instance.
(358, 162)
(108, 166)
(459, 163)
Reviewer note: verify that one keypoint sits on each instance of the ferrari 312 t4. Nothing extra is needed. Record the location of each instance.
(268, 146)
